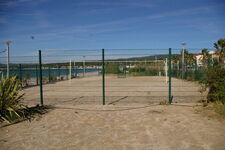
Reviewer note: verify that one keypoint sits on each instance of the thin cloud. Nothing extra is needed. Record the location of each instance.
(3, 20)
(182, 12)
(11, 3)
(128, 3)
(209, 27)
(115, 25)
(99, 27)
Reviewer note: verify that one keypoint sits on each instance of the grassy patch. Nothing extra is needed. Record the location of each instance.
(163, 103)
(29, 114)
(11, 108)
(156, 111)
(212, 110)
(219, 107)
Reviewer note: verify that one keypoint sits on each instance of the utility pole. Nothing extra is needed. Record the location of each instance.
(183, 67)
(8, 58)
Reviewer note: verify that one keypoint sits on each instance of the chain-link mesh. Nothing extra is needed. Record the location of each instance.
(132, 76)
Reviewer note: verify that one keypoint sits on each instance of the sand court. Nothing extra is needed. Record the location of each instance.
(141, 90)
(85, 127)
(132, 118)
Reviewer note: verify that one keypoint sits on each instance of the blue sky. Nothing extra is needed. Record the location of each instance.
(95, 24)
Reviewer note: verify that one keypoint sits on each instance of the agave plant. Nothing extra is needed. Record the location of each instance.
(10, 97)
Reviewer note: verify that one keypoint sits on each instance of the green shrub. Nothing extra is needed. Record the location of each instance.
(111, 68)
(219, 108)
(10, 107)
(152, 72)
(53, 78)
(215, 82)
(26, 78)
(142, 71)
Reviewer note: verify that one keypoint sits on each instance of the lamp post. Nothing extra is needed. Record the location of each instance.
(183, 67)
(8, 59)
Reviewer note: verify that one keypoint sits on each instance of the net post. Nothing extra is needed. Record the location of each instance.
(40, 74)
(84, 66)
(70, 71)
(103, 77)
(59, 72)
(166, 70)
(49, 74)
(21, 78)
(37, 75)
(74, 65)
(169, 72)
(196, 68)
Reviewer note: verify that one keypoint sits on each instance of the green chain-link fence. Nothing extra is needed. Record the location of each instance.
(109, 76)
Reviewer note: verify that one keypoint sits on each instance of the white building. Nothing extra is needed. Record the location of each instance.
(199, 57)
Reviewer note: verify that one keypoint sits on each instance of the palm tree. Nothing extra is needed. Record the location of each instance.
(191, 59)
(220, 47)
(186, 56)
(176, 58)
(206, 57)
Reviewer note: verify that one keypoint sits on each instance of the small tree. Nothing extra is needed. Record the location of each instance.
(206, 57)
(215, 82)
(220, 47)
(215, 77)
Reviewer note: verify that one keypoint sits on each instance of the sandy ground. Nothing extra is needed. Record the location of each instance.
(91, 127)
(119, 91)
(131, 120)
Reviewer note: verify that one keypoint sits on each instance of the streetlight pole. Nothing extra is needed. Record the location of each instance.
(8, 58)
(183, 67)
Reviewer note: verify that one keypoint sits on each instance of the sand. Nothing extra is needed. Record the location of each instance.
(119, 91)
(91, 127)
(132, 118)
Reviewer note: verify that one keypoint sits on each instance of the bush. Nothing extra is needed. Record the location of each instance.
(219, 108)
(142, 71)
(111, 68)
(53, 78)
(26, 79)
(152, 72)
(215, 82)
(10, 107)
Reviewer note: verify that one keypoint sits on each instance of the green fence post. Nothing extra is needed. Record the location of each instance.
(49, 74)
(36, 74)
(59, 72)
(196, 68)
(84, 67)
(21, 76)
(40, 74)
(68, 72)
(169, 73)
(103, 77)
(73, 70)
